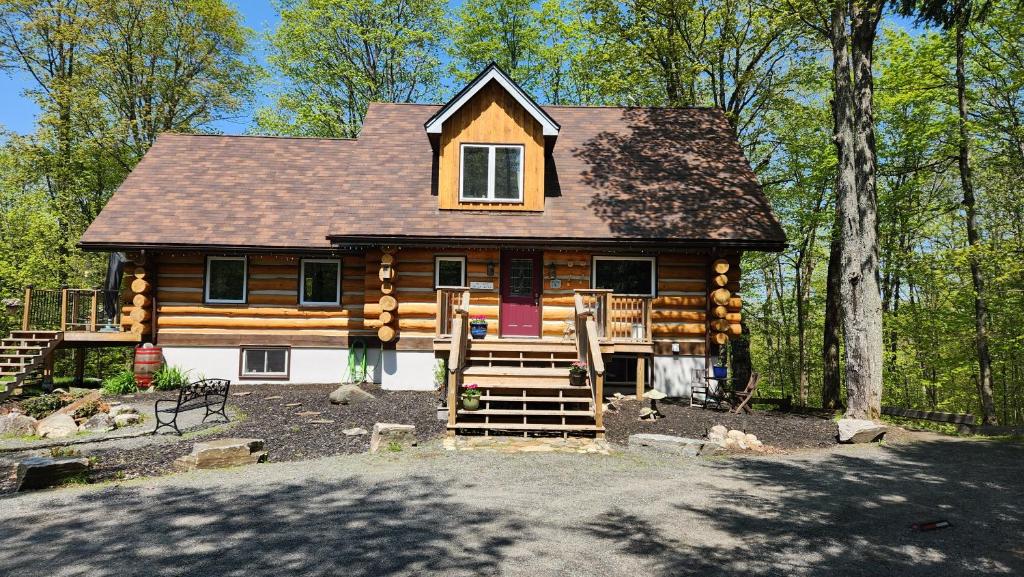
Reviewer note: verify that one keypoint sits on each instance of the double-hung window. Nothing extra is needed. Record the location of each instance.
(449, 272)
(321, 282)
(491, 173)
(226, 279)
(626, 275)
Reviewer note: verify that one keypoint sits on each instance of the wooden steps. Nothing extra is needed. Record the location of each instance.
(24, 354)
(525, 390)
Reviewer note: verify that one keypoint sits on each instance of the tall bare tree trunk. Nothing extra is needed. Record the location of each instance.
(984, 380)
(830, 398)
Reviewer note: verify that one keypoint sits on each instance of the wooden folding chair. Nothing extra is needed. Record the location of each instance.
(741, 399)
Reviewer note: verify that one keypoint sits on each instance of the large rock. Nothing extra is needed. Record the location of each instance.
(57, 426)
(98, 423)
(667, 443)
(347, 394)
(17, 424)
(386, 433)
(40, 472)
(123, 410)
(222, 453)
(127, 419)
(93, 397)
(717, 433)
(860, 431)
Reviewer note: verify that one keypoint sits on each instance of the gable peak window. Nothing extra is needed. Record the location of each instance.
(491, 173)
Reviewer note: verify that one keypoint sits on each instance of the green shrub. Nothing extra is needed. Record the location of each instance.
(168, 378)
(122, 383)
(43, 405)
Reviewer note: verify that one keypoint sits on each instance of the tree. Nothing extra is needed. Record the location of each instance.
(958, 16)
(336, 56)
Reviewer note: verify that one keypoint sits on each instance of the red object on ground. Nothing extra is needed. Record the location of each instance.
(930, 525)
(147, 361)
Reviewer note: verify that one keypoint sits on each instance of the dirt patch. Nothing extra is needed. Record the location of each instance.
(774, 428)
(282, 416)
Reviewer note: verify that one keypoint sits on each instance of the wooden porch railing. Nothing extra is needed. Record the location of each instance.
(457, 354)
(621, 318)
(69, 309)
(588, 350)
(448, 302)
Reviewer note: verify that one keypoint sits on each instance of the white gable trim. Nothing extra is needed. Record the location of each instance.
(494, 73)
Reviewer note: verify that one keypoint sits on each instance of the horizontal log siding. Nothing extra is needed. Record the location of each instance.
(678, 314)
(272, 310)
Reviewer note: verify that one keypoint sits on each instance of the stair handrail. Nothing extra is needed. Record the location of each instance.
(457, 355)
(588, 350)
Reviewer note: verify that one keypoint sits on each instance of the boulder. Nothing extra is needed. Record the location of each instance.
(860, 431)
(56, 426)
(667, 443)
(123, 410)
(711, 448)
(40, 472)
(347, 394)
(222, 453)
(98, 423)
(17, 424)
(386, 433)
(354, 431)
(92, 397)
(127, 419)
(717, 433)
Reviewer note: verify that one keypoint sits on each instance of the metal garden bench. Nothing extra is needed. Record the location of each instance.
(208, 394)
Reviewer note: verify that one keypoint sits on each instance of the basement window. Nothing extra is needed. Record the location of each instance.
(626, 275)
(449, 272)
(491, 173)
(321, 282)
(226, 279)
(266, 362)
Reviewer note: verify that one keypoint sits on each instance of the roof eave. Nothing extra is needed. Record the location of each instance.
(626, 243)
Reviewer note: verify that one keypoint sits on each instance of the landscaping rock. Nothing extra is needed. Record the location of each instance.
(222, 453)
(41, 472)
(127, 419)
(347, 394)
(92, 397)
(386, 433)
(667, 443)
(56, 426)
(17, 424)
(123, 410)
(354, 431)
(98, 423)
(860, 431)
(717, 433)
(711, 448)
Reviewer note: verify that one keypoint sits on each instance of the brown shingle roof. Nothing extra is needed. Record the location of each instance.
(614, 173)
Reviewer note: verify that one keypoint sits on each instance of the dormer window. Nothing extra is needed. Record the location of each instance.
(491, 173)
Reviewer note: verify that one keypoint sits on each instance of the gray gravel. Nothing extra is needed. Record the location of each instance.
(841, 511)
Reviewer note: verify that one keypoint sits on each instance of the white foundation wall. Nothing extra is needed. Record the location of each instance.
(400, 370)
(674, 374)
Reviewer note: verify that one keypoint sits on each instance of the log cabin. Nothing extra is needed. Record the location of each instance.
(608, 235)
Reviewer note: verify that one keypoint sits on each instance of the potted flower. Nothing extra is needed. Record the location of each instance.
(478, 327)
(578, 373)
(720, 371)
(471, 397)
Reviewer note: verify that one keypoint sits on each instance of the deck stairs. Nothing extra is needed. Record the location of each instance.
(525, 390)
(23, 355)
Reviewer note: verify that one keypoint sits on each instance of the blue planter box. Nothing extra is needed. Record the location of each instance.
(478, 331)
(720, 372)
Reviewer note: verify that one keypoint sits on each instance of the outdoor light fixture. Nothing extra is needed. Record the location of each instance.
(490, 268)
(552, 271)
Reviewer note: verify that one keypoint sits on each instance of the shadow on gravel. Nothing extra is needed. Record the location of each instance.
(335, 528)
(848, 514)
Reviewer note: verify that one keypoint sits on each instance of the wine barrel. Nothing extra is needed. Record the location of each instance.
(147, 361)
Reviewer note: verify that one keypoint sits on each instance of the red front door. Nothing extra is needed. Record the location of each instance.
(520, 293)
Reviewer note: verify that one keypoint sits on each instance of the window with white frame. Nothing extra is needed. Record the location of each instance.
(271, 362)
(226, 279)
(321, 282)
(449, 272)
(627, 275)
(491, 173)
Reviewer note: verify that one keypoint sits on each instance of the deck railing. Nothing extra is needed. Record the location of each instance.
(588, 350)
(619, 318)
(67, 309)
(448, 302)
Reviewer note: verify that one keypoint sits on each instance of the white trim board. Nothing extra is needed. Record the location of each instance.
(549, 126)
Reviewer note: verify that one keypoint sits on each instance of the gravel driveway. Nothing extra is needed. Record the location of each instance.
(841, 511)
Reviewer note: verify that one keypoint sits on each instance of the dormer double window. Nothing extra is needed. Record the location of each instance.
(491, 173)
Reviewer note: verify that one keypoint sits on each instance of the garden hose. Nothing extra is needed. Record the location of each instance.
(354, 377)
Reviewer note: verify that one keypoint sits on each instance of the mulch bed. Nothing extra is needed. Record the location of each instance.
(288, 436)
(778, 429)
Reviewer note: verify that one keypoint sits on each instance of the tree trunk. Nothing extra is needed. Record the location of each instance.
(830, 398)
(984, 381)
(862, 303)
